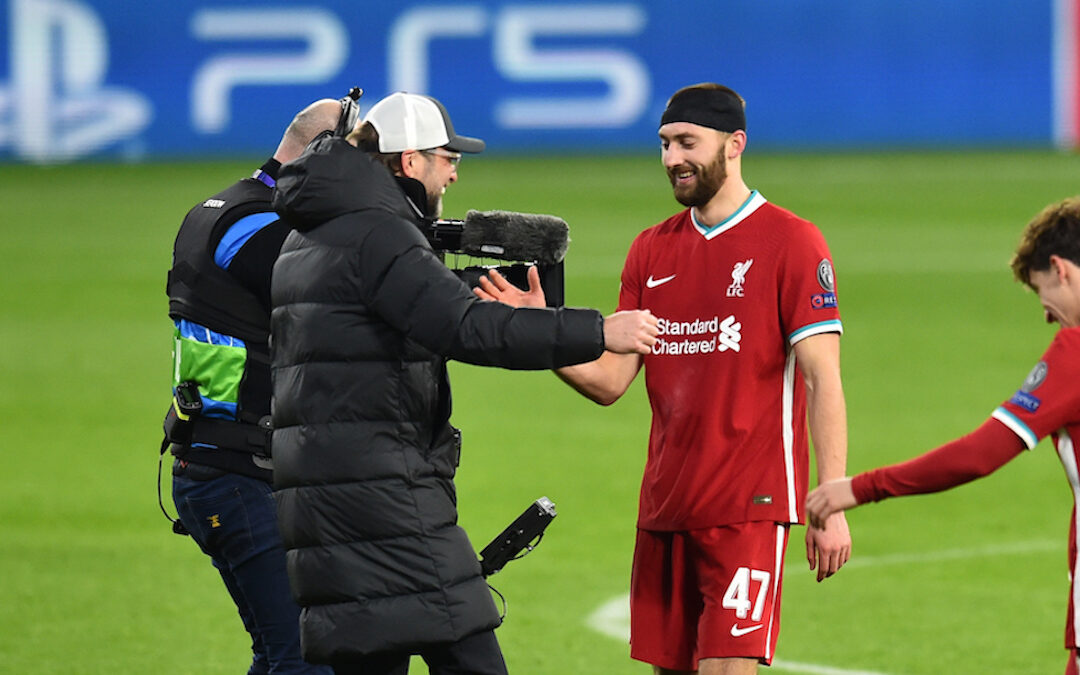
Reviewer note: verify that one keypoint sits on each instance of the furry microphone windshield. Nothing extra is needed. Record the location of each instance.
(508, 235)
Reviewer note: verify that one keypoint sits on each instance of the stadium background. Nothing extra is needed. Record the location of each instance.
(919, 136)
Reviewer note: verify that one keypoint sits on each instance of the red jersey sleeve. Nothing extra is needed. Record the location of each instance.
(808, 303)
(979, 453)
(1049, 398)
(630, 282)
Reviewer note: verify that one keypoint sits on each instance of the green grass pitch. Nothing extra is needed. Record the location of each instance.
(936, 335)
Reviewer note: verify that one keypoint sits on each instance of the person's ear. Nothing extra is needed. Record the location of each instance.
(410, 160)
(736, 143)
(1061, 270)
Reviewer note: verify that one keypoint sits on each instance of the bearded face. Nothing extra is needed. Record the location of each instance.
(695, 184)
(435, 203)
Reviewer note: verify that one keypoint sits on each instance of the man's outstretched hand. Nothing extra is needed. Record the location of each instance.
(496, 287)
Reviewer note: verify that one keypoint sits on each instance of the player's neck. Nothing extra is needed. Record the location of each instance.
(727, 200)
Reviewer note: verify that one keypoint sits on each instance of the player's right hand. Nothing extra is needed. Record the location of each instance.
(631, 331)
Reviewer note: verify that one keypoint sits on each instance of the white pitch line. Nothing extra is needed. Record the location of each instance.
(814, 669)
(1016, 548)
(613, 617)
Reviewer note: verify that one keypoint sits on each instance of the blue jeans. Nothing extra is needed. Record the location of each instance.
(232, 519)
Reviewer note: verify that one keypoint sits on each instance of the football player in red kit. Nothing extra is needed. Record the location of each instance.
(748, 351)
(1047, 403)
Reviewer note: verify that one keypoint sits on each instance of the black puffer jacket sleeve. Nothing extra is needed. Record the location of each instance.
(412, 290)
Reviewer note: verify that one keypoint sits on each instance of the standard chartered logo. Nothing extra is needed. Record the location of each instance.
(700, 336)
(729, 334)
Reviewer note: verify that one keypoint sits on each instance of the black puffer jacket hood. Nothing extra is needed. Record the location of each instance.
(333, 178)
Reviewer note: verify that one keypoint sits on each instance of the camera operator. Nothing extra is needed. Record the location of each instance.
(219, 298)
(364, 319)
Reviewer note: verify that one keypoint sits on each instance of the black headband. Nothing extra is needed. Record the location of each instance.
(719, 109)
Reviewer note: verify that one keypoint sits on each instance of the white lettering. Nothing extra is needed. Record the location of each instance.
(407, 51)
(326, 47)
(695, 327)
(683, 347)
(726, 335)
(515, 32)
(518, 58)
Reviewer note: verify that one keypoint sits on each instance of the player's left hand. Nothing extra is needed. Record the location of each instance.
(828, 549)
(496, 287)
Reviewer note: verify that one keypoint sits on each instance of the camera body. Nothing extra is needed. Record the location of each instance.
(517, 537)
(551, 278)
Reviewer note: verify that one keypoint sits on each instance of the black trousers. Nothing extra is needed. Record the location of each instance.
(477, 654)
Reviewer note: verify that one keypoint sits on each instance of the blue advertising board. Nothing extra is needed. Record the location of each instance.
(92, 78)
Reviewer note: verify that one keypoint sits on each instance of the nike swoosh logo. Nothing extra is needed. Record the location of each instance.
(653, 283)
(739, 632)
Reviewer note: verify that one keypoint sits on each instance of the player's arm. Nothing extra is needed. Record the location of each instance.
(1013, 426)
(604, 380)
(818, 356)
(963, 460)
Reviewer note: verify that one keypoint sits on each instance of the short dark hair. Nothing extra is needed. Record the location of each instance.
(366, 137)
(1054, 231)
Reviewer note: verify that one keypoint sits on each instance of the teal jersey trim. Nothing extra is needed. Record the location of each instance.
(830, 326)
(1017, 426)
(706, 230)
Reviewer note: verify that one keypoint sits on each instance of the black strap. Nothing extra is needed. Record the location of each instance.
(254, 438)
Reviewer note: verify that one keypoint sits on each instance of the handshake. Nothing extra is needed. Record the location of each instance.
(626, 332)
(542, 240)
(630, 332)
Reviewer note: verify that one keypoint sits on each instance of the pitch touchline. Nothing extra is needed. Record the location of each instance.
(1017, 548)
(613, 617)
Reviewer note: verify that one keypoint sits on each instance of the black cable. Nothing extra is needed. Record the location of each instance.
(177, 526)
(528, 548)
(505, 608)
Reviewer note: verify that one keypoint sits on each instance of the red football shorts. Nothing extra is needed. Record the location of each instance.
(711, 593)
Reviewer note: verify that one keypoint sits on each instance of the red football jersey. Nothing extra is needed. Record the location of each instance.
(728, 442)
(1048, 404)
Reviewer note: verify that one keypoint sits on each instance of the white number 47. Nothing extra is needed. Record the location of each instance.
(737, 596)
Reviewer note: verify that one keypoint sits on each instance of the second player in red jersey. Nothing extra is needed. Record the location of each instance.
(1047, 403)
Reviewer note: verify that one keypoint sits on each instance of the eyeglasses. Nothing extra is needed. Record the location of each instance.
(453, 157)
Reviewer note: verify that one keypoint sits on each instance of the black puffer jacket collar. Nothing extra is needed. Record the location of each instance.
(333, 178)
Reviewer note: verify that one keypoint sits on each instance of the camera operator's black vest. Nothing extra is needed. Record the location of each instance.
(198, 289)
(201, 291)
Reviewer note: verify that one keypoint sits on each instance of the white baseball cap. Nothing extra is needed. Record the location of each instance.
(416, 122)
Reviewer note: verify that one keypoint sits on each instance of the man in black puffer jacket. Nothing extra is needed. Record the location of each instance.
(365, 316)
